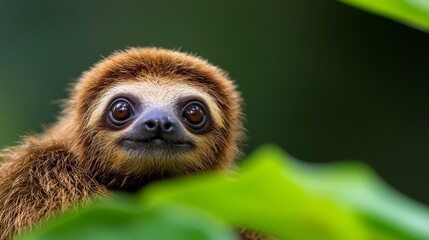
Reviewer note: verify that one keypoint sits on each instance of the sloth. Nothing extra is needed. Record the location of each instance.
(135, 117)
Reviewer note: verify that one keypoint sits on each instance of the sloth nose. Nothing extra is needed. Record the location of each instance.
(159, 122)
(159, 125)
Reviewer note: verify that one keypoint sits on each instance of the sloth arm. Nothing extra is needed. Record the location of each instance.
(37, 180)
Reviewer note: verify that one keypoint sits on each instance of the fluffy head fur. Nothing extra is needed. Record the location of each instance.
(79, 156)
(158, 77)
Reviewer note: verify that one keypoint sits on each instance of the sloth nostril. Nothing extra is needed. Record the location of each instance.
(150, 125)
(168, 126)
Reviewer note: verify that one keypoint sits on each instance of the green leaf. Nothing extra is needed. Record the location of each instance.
(261, 197)
(271, 193)
(356, 186)
(383, 210)
(410, 12)
(277, 194)
(123, 218)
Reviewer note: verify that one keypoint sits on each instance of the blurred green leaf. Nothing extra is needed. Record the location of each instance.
(123, 218)
(271, 193)
(260, 197)
(355, 186)
(411, 12)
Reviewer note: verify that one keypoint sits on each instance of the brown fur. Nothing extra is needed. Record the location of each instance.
(74, 160)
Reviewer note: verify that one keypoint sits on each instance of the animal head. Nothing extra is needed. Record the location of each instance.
(154, 111)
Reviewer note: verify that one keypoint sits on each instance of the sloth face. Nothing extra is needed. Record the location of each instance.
(156, 122)
(156, 128)
(150, 111)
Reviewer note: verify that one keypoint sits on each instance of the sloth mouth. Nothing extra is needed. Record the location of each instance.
(156, 143)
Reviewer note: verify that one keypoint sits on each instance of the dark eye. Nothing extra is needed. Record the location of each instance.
(194, 114)
(120, 112)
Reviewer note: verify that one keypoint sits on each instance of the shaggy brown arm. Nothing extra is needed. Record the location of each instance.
(38, 180)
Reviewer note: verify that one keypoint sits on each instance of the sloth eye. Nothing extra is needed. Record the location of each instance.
(194, 114)
(120, 112)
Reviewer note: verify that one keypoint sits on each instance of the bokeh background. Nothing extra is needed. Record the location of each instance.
(323, 80)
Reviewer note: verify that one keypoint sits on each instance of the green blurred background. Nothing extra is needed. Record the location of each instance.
(321, 79)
